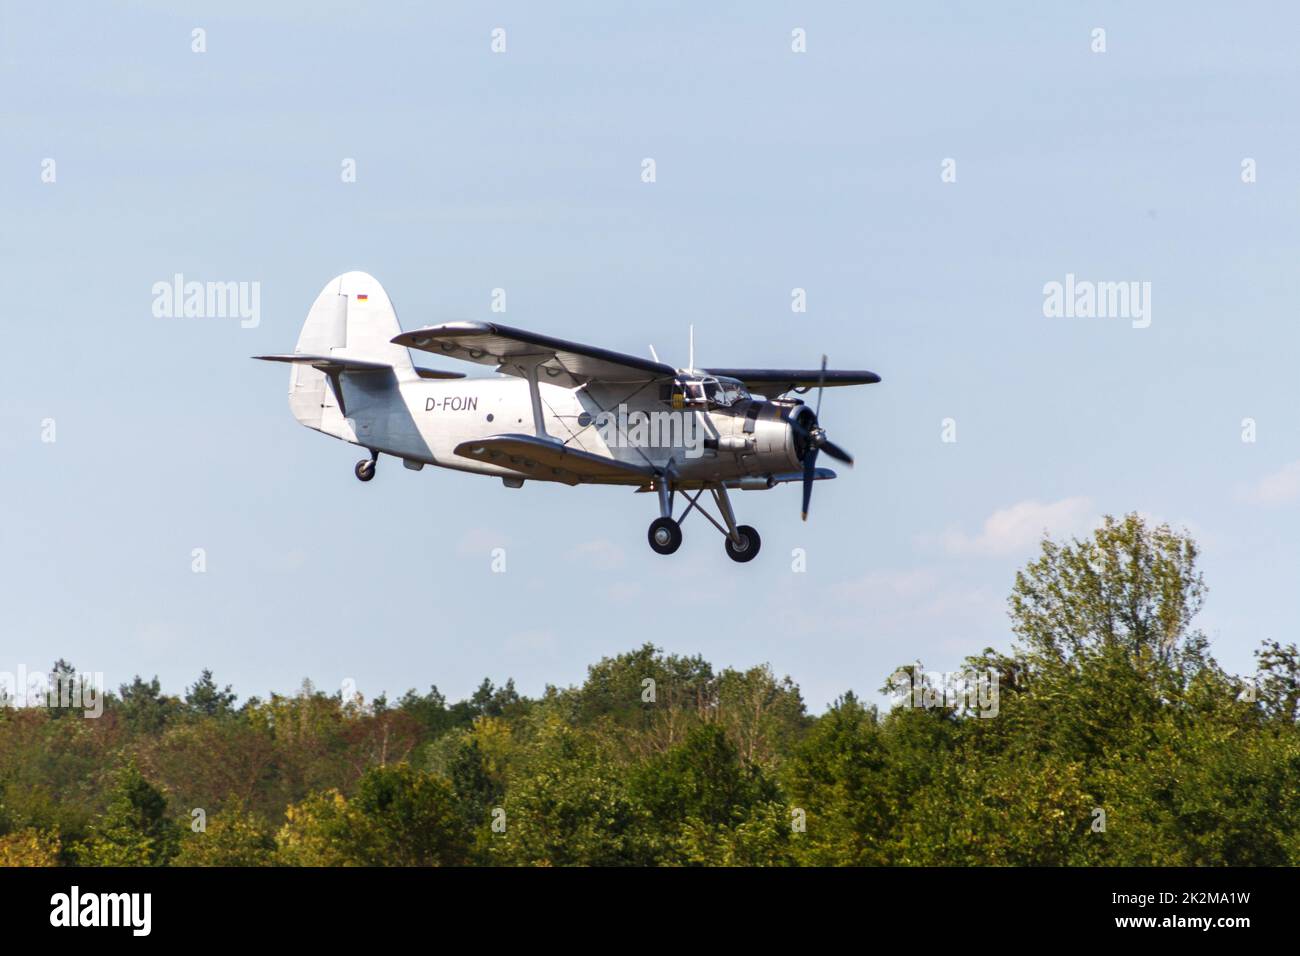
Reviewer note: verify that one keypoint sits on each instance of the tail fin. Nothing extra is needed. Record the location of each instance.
(351, 320)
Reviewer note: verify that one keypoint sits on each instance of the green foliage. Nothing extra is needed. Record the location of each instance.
(707, 804)
(145, 708)
(135, 829)
(232, 837)
(398, 816)
(567, 803)
(318, 832)
(204, 699)
(1128, 586)
(703, 779)
(29, 847)
(479, 790)
(64, 690)
(1279, 680)
(835, 777)
(1113, 738)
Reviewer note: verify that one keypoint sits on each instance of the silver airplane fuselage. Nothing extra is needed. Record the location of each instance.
(423, 421)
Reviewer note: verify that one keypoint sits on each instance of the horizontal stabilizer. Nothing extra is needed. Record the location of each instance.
(548, 460)
(334, 363)
(328, 363)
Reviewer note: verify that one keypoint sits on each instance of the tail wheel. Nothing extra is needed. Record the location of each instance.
(365, 469)
(748, 547)
(665, 535)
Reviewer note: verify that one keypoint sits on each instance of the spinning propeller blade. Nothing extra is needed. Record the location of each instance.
(815, 441)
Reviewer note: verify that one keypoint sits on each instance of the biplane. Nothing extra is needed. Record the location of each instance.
(559, 411)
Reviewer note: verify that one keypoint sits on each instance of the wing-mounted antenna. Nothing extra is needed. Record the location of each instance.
(653, 354)
(690, 355)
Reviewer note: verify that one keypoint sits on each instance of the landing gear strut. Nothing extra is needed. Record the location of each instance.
(365, 469)
(741, 541)
(665, 534)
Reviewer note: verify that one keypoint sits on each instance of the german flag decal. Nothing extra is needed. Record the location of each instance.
(362, 297)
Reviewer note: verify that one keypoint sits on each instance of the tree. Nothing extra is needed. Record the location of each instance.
(648, 699)
(318, 832)
(204, 699)
(836, 777)
(1206, 793)
(212, 761)
(65, 689)
(765, 836)
(29, 847)
(763, 715)
(232, 837)
(1279, 681)
(429, 710)
(1105, 640)
(1021, 809)
(478, 790)
(489, 701)
(310, 731)
(145, 707)
(408, 818)
(399, 817)
(567, 804)
(1129, 587)
(702, 778)
(135, 829)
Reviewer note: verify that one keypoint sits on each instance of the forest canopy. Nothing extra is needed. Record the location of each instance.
(1115, 739)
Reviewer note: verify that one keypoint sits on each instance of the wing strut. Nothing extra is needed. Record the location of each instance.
(528, 364)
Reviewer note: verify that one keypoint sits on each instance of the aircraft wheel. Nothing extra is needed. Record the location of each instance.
(365, 469)
(665, 535)
(750, 542)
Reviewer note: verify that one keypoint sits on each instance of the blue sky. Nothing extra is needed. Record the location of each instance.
(521, 170)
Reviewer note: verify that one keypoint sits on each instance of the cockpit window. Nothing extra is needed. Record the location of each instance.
(709, 392)
(731, 392)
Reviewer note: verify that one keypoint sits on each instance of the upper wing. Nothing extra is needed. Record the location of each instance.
(775, 381)
(513, 350)
(550, 461)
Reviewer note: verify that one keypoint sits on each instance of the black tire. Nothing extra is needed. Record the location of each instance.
(750, 543)
(665, 535)
(365, 469)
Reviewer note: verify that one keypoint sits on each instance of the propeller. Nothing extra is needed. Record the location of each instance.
(814, 440)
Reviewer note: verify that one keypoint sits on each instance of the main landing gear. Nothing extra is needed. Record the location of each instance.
(365, 469)
(741, 541)
(665, 535)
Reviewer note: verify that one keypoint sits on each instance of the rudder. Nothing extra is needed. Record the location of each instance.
(352, 318)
